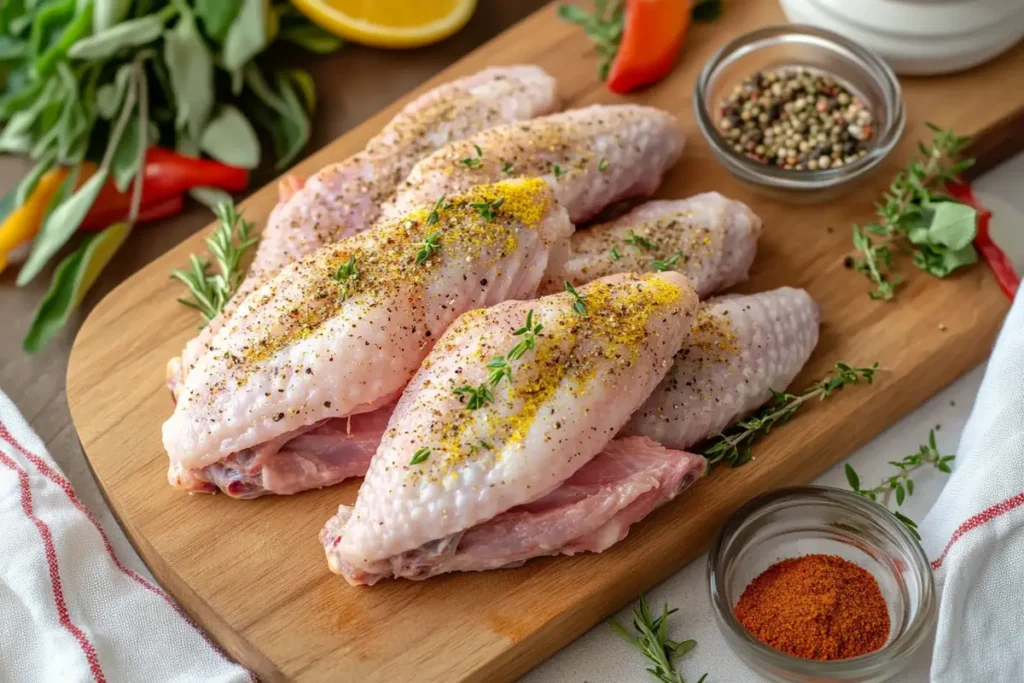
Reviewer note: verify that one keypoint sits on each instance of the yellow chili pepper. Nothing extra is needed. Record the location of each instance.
(24, 222)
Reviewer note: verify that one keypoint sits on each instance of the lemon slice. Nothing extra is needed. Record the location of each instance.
(389, 23)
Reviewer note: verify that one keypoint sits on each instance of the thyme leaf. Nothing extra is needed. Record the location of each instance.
(669, 263)
(487, 209)
(640, 242)
(917, 216)
(578, 304)
(901, 485)
(428, 246)
(733, 445)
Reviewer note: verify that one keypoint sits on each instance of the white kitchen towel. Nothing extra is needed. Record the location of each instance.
(975, 530)
(70, 610)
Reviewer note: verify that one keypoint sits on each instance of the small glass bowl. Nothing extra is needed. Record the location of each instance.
(815, 49)
(793, 522)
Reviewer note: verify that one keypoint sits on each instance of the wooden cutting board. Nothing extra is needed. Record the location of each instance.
(253, 573)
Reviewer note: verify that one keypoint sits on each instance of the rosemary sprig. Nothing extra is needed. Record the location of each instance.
(638, 241)
(669, 263)
(479, 396)
(916, 215)
(579, 306)
(419, 456)
(228, 243)
(435, 213)
(487, 209)
(428, 246)
(734, 444)
(345, 275)
(901, 485)
(474, 161)
(652, 640)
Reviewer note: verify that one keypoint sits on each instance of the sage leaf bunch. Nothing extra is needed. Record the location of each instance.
(88, 85)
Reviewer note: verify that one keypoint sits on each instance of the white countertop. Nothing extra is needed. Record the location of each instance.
(600, 656)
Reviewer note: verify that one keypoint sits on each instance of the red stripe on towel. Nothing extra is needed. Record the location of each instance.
(58, 479)
(978, 520)
(54, 570)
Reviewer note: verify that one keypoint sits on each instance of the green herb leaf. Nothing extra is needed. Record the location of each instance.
(669, 263)
(303, 82)
(652, 640)
(578, 305)
(230, 139)
(851, 477)
(110, 96)
(247, 35)
(60, 225)
(126, 161)
(953, 224)
(24, 189)
(428, 246)
(105, 44)
(487, 209)
(419, 456)
(602, 165)
(228, 242)
(73, 278)
(216, 16)
(107, 13)
(638, 241)
(191, 70)
(210, 197)
(312, 38)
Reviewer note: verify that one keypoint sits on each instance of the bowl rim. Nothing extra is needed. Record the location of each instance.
(918, 630)
(868, 61)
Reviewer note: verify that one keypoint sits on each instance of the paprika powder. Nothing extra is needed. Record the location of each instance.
(819, 607)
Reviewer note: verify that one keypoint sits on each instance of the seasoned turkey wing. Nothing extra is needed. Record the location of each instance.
(342, 331)
(344, 199)
(708, 238)
(450, 462)
(740, 349)
(593, 157)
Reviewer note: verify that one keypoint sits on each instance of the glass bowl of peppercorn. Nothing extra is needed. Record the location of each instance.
(819, 584)
(799, 111)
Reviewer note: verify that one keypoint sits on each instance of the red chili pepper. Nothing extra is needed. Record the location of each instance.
(165, 176)
(651, 39)
(162, 208)
(998, 261)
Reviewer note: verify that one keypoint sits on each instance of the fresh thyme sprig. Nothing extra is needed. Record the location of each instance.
(345, 275)
(228, 243)
(500, 367)
(638, 241)
(507, 168)
(487, 209)
(669, 263)
(734, 444)
(901, 485)
(652, 640)
(475, 161)
(605, 23)
(528, 332)
(427, 247)
(615, 254)
(579, 306)
(917, 215)
(479, 396)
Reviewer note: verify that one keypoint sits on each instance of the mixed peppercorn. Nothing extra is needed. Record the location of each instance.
(796, 119)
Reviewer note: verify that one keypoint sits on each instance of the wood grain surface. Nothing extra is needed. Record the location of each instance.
(253, 573)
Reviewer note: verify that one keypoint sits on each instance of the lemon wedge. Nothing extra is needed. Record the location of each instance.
(389, 23)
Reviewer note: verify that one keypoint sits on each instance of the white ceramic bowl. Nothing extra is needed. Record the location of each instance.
(919, 37)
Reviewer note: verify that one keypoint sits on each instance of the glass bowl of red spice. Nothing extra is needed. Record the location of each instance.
(819, 584)
(798, 111)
